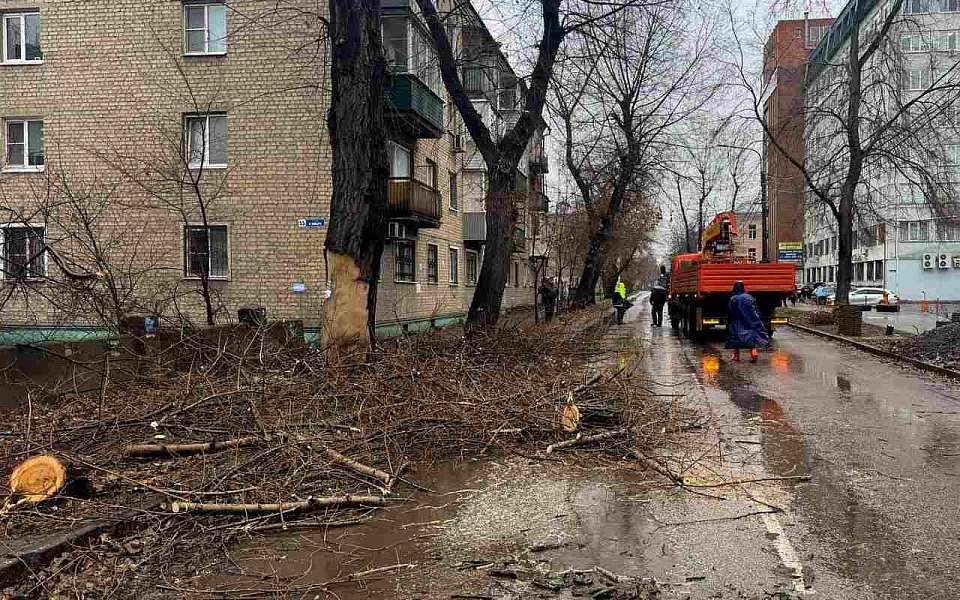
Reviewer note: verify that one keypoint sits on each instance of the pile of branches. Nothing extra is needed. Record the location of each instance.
(233, 436)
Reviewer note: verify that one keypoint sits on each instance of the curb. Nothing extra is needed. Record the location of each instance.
(920, 364)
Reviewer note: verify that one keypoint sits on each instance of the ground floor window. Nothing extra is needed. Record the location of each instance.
(205, 251)
(433, 264)
(516, 274)
(23, 253)
(829, 273)
(473, 262)
(406, 260)
(454, 266)
(860, 272)
(870, 271)
(878, 269)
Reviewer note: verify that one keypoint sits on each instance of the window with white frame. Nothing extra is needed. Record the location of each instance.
(752, 231)
(23, 252)
(454, 192)
(205, 251)
(401, 160)
(912, 42)
(950, 5)
(916, 79)
(405, 260)
(915, 7)
(951, 155)
(408, 49)
(24, 145)
(473, 267)
(946, 41)
(21, 38)
(433, 263)
(914, 231)
(205, 28)
(454, 266)
(752, 253)
(207, 138)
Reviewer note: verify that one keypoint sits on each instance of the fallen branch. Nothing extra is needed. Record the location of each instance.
(147, 450)
(657, 468)
(305, 505)
(361, 468)
(581, 439)
(745, 481)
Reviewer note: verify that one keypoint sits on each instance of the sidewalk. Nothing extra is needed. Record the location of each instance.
(907, 320)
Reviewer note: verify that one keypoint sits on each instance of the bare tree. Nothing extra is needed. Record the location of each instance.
(358, 212)
(877, 123)
(618, 108)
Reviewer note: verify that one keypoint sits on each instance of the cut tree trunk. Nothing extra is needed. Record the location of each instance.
(358, 211)
(38, 478)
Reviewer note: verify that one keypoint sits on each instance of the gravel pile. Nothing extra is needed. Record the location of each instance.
(940, 345)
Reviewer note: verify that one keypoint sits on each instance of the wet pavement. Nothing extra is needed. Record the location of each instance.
(859, 461)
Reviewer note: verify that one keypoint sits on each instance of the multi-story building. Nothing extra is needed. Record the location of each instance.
(902, 240)
(128, 125)
(784, 65)
(750, 240)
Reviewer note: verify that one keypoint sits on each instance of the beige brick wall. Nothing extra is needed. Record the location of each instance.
(112, 92)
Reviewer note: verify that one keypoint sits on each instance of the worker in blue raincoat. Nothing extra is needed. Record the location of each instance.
(744, 326)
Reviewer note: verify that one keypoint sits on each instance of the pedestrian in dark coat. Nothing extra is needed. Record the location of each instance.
(745, 327)
(548, 296)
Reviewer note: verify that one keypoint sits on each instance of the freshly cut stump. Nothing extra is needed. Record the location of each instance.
(38, 478)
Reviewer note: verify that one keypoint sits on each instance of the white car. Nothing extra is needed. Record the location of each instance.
(870, 297)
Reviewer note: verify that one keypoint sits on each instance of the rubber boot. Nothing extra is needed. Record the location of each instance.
(754, 355)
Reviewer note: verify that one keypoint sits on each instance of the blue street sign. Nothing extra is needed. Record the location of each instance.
(312, 223)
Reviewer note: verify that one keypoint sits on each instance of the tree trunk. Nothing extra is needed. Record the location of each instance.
(593, 263)
(501, 219)
(849, 188)
(358, 208)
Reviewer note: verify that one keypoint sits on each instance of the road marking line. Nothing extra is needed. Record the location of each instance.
(788, 556)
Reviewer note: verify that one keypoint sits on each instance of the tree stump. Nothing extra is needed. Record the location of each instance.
(849, 320)
(38, 478)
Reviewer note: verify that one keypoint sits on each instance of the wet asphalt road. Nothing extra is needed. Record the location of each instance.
(881, 516)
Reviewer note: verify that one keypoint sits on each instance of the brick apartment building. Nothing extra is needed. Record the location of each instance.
(113, 110)
(784, 65)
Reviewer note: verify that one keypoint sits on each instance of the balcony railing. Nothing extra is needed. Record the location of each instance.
(413, 106)
(475, 226)
(413, 200)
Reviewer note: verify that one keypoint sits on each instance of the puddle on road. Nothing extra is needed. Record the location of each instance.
(481, 513)
(867, 545)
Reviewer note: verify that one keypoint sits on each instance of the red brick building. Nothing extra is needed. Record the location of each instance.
(784, 62)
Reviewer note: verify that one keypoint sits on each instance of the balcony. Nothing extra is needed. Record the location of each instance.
(539, 162)
(519, 239)
(411, 200)
(413, 107)
(475, 226)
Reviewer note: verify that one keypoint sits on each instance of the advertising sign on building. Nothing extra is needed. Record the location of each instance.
(791, 252)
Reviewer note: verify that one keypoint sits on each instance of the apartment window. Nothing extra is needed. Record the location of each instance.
(752, 253)
(915, 7)
(948, 230)
(951, 155)
(911, 42)
(454, 192)
(815, 33)
(405, 268)
(400, 159)
(454, 266)
(23, 253)
(24, 145)
(878, 269)
(205, 251)
(870, 276)
(207, 137)
(859, 271)
(950, 5)
(205, 28)
(433, 263)
(946, 40)
(408, 49)
(752, 232)
(914, 231)
(916, 79)
(473, 264)
(430, 174)
(21, 38)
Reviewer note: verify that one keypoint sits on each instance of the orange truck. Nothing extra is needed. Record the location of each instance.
(701, 282)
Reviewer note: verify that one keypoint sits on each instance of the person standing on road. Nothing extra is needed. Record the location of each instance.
(821, 293)
(620, 301)
(744, 326)
(658, 297)
(548, 297)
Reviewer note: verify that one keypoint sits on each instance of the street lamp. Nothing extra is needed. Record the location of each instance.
(764, 211)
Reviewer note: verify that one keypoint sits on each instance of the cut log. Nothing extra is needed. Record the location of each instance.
(38, 478)
(589, 439)
(301, 506)
(148, 450)
(361, 468)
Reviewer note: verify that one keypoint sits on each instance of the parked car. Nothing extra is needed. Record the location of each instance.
(869, 297)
